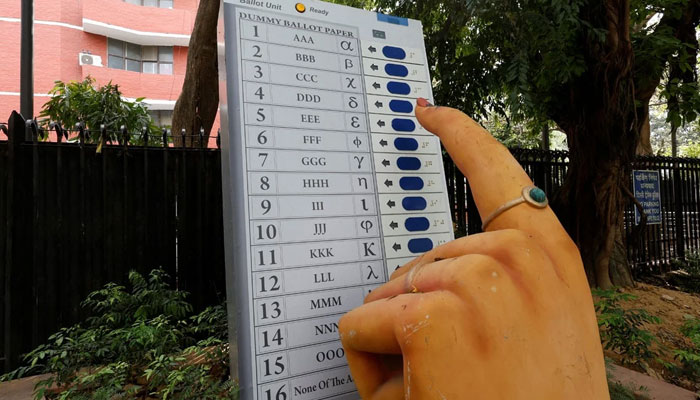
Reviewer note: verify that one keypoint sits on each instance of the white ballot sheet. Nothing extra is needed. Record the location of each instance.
(329, 182)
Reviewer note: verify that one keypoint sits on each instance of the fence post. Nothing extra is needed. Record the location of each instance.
(38, 277)
(678, 211)
(144, 136)
(145, 259)
(15, 136)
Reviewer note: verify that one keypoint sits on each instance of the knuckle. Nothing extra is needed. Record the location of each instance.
(517, 237)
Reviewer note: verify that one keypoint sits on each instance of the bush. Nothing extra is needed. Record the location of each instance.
(620, 392)
(621, 330)
(138, 343)
(689, 279)
(690, 357)
(75, 102)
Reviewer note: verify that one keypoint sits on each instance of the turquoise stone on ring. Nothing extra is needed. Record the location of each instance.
(534, 196)
(538, 195)
(531, 195)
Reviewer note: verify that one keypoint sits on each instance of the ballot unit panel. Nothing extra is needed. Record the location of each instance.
(340, 184)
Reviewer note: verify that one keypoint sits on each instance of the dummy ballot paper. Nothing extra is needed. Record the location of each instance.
(329, 182)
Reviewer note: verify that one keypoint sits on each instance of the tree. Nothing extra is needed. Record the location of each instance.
(82, 102)
(687, 136)
(589, 66)
(198, 103)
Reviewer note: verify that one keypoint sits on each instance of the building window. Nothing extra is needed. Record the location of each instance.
(152, 3)
(162, 118)
(146, 59)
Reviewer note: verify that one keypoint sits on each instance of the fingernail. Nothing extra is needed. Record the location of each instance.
(423, 102)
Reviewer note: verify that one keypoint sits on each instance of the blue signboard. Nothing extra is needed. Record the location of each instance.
(647, 190)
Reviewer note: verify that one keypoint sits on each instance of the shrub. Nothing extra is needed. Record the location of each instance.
(622, 330)
(690, 279)
(690, 357)
(137, 343)
(75, 102)
(620, 392)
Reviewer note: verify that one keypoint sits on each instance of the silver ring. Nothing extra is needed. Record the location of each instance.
(531, 195)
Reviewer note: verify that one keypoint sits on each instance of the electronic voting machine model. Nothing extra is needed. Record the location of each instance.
(329, 182)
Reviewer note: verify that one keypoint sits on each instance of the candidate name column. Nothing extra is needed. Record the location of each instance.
(314, 226)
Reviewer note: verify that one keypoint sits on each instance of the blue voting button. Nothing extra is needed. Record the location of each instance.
(398, 88)
(414, 203)
(408, 163)
(411, 183)
(401, 106)
(394, 52)
(396, 70)
(406, 144)
(420, 245)
(415, 224)
(403, 125)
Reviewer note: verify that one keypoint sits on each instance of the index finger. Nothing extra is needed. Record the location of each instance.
(494, 176)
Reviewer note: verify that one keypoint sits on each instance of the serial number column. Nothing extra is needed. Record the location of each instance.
(314, 227)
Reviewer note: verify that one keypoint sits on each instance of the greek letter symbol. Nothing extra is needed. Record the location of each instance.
(346, 45)
(368, 249)
(372, 274)
(362, 182)
(357, 142)
(359, 161)
(366, 225)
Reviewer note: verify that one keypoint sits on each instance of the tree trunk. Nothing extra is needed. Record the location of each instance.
(545, 137)
(644, 148)
(199, 101)
(591, 205)
(603, 133)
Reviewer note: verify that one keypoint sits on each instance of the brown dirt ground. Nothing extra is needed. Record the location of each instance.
(673, 308)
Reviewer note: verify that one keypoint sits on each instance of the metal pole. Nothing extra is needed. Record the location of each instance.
(26, 97)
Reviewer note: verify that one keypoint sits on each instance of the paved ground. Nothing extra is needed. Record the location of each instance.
(20, 389)
(657, 390)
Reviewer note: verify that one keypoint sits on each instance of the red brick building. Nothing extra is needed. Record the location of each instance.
(141, 45)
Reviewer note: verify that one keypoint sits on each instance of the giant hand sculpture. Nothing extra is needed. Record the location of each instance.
(506, 314)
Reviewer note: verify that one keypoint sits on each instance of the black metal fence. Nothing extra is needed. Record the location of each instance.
(676, 236)
(73, 218)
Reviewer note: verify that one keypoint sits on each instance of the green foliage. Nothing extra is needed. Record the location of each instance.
(689, 280)
(522, 59)
(620, 392)
(691, 264)
(661, 51)
(622, 330)
(525, 135)
(141, 342)
(687, 137)
(690, 357)
(75, 102)
(690, 150)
